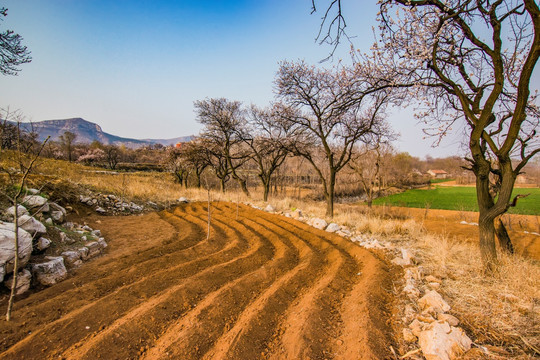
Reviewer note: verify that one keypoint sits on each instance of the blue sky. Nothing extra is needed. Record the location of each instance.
(135, 66)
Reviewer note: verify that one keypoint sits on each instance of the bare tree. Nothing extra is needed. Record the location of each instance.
(67, 139)
(198, 156)
(223, 120)
(330, 111)
(179, 165)
(265, 137)
(12, 52)
(473, 62)
(112, 155)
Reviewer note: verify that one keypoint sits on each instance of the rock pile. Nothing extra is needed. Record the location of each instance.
(39, 221)
(110, 204)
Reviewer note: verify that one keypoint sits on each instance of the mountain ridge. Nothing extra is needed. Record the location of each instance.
(87, 132)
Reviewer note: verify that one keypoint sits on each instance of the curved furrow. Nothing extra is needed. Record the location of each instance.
(98, 283)
(195, 333)
(365, 306)
(330, 266)
(125, 297)
(142, 322)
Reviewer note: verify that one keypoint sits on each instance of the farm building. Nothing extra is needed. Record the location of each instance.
(438, 174)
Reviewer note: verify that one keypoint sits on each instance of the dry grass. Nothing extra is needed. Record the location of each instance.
(501, 310)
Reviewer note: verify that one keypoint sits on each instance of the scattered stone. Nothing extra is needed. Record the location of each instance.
(318, 223)
(49, 272)
(408, 336)
(43, 244)
(7, 246)
(32, 191)
(183, 200)
(35, 201)
(102, 243)
(297, 214)
(49, 221)
(83, 253)
(31, 225)
(425, 317)
(269, 208)
(433, 299)
(87, 228)
(24, 279)
(96, 233)
(434, 285)
(57, 216)
(344, 233)
(101, 210)
(56, 207)
(66, 239)
(72, 258)
(333, 227)
(440, 341)
(84, 238)
(431, 278)
(417, 327)
(450, 319)
(411, 291)
(94, 249)
(21, 210)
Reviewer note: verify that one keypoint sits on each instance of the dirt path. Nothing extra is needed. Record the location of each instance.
(262, 287)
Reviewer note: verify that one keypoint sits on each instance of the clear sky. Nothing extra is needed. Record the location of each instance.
(135, 66)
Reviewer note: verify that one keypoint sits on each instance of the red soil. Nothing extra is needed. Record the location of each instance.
(261, 287)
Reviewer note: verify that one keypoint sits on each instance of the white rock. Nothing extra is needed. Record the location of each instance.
(32, 191)
(434, 285)
(49, 221)
(297, 214)
(83, 253)
(72, 258)
(269, 208)
(57, 216)
(440, 341)
(433, 299)
(102, 243)
(87, 228)
(65, 238)
(7, 246)
(417, 327)
(31, 225)
(34, 201)
(49, 272)
(43, 244)
(56, 207)
(21, 210)
(333, 227)
(450, 319)
(183, 200)
(408, 336)
(431, 278)
(318, 223)
(412, 291)
(24, 279)
(101, 210)
(94, 249)
(96, 233)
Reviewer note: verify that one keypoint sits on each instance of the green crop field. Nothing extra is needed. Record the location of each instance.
(457, 198)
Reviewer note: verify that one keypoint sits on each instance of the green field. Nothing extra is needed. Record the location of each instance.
(457, 198)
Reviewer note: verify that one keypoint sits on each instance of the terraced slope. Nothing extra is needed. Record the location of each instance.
(261, 287)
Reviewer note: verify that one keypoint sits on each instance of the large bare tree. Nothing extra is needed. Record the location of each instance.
(222, 120)
(266, 137)
(473, 63)
(330, 111)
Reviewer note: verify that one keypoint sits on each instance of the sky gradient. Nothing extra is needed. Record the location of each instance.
(135, 67)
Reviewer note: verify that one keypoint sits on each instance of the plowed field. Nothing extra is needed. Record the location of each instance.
(261, 287)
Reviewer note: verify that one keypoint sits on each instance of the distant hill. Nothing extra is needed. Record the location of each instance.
(88, 132)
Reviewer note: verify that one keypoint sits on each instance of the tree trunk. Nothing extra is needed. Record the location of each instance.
(502, 235)
(243, 186)
(222, 185)
(266, 187)
(330, 195)
(486, 232)
(198, 180)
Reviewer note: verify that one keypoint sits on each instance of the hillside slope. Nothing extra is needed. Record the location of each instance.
(88, 132)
